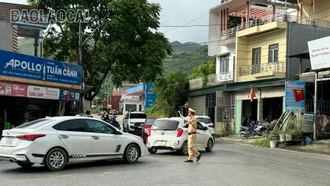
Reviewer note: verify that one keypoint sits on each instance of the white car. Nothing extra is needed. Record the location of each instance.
(207, 121)
(133, 122)
(57, 141)
(169, 134)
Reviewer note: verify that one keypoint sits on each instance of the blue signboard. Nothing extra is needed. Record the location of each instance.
(29, 67)
(150, 97)
(106, 91)
(73, 95)
(295, 92)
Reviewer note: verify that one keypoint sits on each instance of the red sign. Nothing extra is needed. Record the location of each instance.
(10, 89)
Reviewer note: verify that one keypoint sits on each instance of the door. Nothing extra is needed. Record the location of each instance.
(202, 135)
(105, 141)
(256, 60)
(74, 135)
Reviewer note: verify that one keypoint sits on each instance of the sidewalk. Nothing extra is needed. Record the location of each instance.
(321, 147)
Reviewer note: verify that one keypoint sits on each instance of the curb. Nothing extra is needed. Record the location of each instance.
(279, 149)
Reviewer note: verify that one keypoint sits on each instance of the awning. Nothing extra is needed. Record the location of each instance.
(304, 55)
(238, 86)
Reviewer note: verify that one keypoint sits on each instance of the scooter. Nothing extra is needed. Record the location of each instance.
(254, 130)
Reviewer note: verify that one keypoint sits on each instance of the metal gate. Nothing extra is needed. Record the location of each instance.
(198, 104)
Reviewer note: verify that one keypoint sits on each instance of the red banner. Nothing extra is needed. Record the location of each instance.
(15, 90)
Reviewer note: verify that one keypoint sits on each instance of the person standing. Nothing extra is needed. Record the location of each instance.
(192, 130)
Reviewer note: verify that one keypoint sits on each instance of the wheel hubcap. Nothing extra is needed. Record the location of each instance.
(185, 148)
(56, 159)
(132, 153)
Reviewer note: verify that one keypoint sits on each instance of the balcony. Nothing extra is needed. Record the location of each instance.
(229, 36)
(220, 78)
(261, 71)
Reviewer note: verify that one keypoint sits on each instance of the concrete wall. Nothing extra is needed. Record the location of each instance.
(298, 35)
(213, 34)
(6, 34)
(224, 50)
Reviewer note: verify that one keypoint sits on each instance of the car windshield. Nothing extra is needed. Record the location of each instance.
(34, 124)
(165, 125)
(204, 120)
(150, 122)
(138, 116)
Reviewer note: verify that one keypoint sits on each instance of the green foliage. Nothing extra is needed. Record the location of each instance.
(123, 41)
(185, 61)
(204, 70)
(172, 92)
(262, 143)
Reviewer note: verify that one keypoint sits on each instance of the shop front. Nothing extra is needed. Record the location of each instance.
(33, 88)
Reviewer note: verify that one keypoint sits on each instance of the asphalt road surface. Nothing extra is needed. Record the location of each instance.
(228, 165)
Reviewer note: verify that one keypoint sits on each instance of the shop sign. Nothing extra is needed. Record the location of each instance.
(43, 93)
(73, 95)
(22, 66)
(196, 83)
(150, 97)
(295, 96)
(319, 53)
(15, 90)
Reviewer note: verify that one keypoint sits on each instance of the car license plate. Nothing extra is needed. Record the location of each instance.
(9, 141)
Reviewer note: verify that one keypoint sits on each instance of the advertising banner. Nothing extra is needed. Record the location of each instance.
(22, 67)
(150, 97)
(319, 53)
(15, 90)
(73, 95)
(295, 92)
(43, 93)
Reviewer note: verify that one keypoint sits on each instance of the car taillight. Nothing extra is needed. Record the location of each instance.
(30, 137)
(179, 132)
(211, 126)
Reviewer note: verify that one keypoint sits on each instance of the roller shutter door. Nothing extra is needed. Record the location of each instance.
(198, 104)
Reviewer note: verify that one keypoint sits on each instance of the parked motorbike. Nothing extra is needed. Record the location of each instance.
(255, 129)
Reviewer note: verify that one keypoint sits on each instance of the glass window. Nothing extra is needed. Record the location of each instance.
(77, 125)
(273, 53)
(138, 116)
(200, 126)
(224, 64)
(165, 125)
(204, 120)
(35, 124)
(130, 107)
(150, 122)
(99, 127)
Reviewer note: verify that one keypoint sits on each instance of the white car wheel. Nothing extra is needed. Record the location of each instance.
(209, 145)
(56, 159)
(184, 148)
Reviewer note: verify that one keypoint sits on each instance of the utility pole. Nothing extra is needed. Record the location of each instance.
(80, 63)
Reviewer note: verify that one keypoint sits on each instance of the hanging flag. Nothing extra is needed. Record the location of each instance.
(67, 96)
(252, 94)
(299, 95)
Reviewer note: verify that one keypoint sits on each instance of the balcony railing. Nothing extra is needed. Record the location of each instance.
(219, 78)
(261, 68)
(231, 33)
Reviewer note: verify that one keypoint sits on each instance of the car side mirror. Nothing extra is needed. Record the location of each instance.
(117, 132)
(206, 128)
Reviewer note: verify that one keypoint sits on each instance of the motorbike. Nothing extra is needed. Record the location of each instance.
(255, 129)
(114, 122)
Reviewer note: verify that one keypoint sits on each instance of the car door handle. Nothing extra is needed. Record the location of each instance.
(64, 136)
(95, 137)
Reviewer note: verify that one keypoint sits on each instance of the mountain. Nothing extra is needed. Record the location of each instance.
(186, 47)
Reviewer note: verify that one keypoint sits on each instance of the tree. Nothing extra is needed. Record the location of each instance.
(172, 92)
(122, 40)
(203, 70)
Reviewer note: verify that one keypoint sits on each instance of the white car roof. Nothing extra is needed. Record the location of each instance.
(202, 117)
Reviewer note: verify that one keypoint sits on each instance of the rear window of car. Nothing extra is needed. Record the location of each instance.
(138, 116)
(34, 124)
(165, 125)
(204, 120)
(150, 122)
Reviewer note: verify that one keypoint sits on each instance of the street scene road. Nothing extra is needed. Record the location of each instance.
(228, 164)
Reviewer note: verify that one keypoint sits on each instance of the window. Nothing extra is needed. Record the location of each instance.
(99, 127)
(150, 122)
(204, 120)
(130, 107)
(210, 100)
(35, 124)
(77, 125)
(224, 64)
(200, 126)
(165, 125)
(273, 53)
(138, 116)
(256, 60)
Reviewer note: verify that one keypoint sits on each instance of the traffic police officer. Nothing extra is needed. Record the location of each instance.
(192, 129)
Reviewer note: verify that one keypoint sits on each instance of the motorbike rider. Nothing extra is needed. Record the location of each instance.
(114, 122)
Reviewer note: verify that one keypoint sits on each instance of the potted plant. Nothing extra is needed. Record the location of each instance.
(282, 135)
(288, 135)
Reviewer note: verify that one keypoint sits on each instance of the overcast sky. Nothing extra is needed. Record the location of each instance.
(179, 12)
